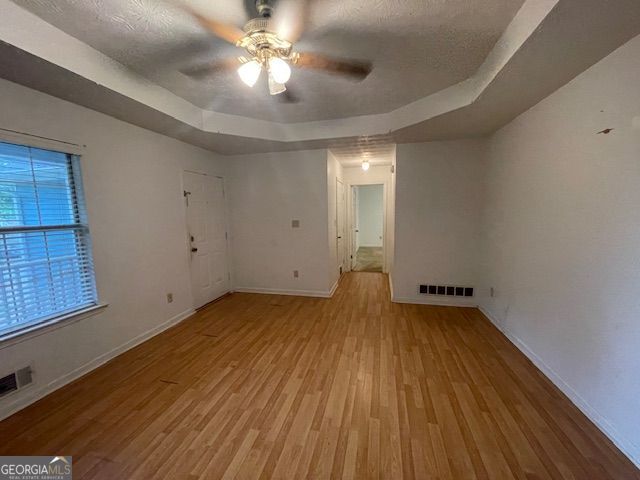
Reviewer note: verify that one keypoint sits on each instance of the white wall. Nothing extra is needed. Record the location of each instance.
(379, 174)
(132, 179)
(267, 192)
(562, 240)
(370, 215)
(437, 223)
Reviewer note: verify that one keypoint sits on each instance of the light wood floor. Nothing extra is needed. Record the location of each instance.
(289, 387)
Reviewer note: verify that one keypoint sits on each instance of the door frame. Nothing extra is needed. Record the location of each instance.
(187, 248)
(351, 217)
(342, 188)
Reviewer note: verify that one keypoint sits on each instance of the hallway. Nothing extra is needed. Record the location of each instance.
(368, 259)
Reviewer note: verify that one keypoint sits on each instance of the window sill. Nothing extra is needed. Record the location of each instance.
(50, 325)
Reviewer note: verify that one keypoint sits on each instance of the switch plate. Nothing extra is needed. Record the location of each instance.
(295, 223)
(296, 274)
(169, 297)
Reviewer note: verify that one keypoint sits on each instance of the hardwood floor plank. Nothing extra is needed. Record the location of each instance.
(258, 386)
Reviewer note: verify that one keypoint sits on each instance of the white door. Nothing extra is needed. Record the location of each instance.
(340, 227)
(354, 226)
(207, 234)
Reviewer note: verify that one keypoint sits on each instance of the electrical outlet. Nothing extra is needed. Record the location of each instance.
(169, 297)
(296, 274)
(295, 223)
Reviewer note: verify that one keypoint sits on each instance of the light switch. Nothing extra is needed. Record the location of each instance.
(295, 223)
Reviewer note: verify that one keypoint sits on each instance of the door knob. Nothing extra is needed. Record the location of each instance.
(194, 249)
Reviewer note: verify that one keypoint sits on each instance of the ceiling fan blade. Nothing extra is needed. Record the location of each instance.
(230, 33)
(211, 68)
(291, 18)
(355, 69)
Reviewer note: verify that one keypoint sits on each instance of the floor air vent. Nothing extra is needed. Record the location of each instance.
(446, 290)
(15, 381)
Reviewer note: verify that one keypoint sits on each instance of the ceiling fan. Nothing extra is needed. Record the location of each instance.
(268, 42)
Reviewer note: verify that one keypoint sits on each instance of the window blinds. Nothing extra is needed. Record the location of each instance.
(46, 268)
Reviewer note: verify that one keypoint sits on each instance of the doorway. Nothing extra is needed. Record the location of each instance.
(367, 237)
(207, 235)
(340, 226)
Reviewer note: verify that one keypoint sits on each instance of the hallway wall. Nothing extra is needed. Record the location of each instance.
(370, 215)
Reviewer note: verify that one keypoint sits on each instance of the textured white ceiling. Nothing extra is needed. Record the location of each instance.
(547, 43)
(377, 150)
(418, 47)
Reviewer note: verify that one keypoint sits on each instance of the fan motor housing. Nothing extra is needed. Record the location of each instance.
(260, 24)
(260, 36)
(264, 8)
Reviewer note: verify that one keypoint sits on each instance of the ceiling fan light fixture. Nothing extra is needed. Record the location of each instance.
(250, 72)
(275, 87)
(365, 165)
(280, 69)
(268, 41)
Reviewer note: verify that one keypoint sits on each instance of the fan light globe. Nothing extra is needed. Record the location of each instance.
(275, 88)
(365, 165)
(280, 70)
(249, 72)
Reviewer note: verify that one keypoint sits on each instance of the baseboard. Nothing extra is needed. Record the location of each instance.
(335, 286)
(295, 293)
(433, 301)
(627, 447)
(33, 393)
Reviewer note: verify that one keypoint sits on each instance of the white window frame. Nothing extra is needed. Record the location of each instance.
(31, 330)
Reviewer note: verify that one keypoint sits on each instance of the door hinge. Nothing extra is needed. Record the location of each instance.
(226, 236)
(186, 194)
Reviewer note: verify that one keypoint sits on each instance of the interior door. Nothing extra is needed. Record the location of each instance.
(354, 226)
(340, 227)
(207, 234)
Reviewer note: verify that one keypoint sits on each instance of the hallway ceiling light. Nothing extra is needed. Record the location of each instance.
(365, 165)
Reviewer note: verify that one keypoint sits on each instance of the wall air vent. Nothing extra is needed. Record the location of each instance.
(446, 290)
(15, 381)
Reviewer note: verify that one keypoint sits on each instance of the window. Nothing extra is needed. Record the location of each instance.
(46, 269)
